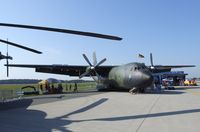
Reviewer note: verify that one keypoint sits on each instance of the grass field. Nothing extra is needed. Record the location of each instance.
(10, 90)
(17, 87)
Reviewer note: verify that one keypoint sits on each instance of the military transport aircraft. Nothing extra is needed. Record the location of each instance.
(132, 76)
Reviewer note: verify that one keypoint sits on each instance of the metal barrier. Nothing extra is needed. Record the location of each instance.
(6, 95)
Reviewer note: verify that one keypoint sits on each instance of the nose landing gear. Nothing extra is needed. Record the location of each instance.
(135, 90)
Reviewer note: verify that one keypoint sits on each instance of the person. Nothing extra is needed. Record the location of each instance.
(157, 83)
(60, 88)
(46, 86)
(53, 90)
(165, 84)
(75, 87)
(70, 87)
(66, 87)
(41, 88)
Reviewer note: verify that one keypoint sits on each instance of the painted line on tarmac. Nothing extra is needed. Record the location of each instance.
(192, 92)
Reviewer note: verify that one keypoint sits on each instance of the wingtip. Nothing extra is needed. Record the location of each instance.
(40, 53)
(119, 38)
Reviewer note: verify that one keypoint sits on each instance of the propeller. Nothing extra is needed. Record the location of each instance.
(92, 67)
(20, 46)
(94, 58)
(90, 34)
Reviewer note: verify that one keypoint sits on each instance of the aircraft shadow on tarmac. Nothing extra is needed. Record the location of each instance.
(174, 91)
(153, 115)
(167, 92)
(23, 120)
(15, 104)
(35, 120)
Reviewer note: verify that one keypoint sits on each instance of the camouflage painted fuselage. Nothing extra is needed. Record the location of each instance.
(132, 75)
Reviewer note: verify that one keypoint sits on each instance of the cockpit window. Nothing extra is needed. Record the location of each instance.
(139, 67)
(131, 68)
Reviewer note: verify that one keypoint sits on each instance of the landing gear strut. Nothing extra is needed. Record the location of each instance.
(133, 90)
(136, 90)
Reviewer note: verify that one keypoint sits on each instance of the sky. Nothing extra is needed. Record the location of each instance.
(169, 29)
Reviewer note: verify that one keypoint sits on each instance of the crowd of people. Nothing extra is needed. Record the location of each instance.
(70, 88)
(52, 89)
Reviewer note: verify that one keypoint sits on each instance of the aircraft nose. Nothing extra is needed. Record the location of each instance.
(147, 77)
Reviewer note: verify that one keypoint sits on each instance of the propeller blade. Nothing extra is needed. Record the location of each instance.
(20, 46)
(84, 74)
(90, 34)
(151, 59)
(1, 56)
(101, 62)
(98, 76)
(94, 58)
(85, 57)
(92, 67)
(9, 57)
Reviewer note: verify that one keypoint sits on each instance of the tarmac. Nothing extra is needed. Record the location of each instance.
(166, 111)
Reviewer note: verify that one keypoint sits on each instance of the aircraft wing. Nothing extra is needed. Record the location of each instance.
(166, 68)
(71, 70)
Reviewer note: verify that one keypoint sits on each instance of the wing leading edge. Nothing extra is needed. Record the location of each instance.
(71, 70)
(166, 68)
(77, 70)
